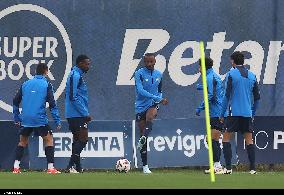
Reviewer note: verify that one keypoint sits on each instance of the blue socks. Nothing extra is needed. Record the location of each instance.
(216, 150)
(77, 148)
(143, 153)
(251, 156)
(19, 152)
(143, 150)
(227, 154)
(148, 128)
(49, 153)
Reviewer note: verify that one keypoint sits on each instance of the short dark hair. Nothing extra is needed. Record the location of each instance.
(208, 62)
(238, 58)
(41, 68)
(149, 54)
(81, 58)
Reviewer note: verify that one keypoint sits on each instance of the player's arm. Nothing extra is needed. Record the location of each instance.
(200, 108)
(142, 91)
(228, 91)
(199, 87)
(164, 101)
(211, 88)
(52, 105)
(256, 97)
(73, 96)
(16, 104)
(160, 89)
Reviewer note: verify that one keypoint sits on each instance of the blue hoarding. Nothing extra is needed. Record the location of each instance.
(178, 142)
(108, 141)
(172, 143)
(268, 139)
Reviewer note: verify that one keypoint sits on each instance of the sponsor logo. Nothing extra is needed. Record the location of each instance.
(188, 144)
(262, 140)
(19, 54)
(159, 38)
(100, 144)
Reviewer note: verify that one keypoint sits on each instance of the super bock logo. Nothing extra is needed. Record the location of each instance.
(35, 35)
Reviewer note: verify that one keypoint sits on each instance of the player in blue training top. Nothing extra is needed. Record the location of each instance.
(34, 94)
(148, 83)
(215, 96)
(241, 91)
(77, 111)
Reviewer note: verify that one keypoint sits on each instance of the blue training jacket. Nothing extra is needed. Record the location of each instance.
(148, 85)
(76, 98)
(240, 87)
(215, 93)
(34, 94)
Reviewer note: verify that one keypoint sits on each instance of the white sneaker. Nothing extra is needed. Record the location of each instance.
(146, 169)
(217, 171)
(228, 171)
(207, 171)
(141, 142)
(217, 165)
(73, 170)
(252, 172)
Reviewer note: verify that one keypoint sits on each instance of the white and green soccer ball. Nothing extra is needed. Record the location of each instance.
(122, 165)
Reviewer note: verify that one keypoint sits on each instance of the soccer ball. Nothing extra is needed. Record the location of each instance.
(122, 165)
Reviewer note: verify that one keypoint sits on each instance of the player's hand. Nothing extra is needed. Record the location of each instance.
(221, 119)
(18, 123)
(197, 112)
(164, 101)
(199, 87)
(253, 114)
(58, 127)
(88, 118)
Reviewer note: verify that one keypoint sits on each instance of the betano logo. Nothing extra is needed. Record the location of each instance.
(100, 144)
(22, 45)
(159, 38)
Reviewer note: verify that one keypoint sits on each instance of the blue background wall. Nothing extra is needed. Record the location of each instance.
(97, 28)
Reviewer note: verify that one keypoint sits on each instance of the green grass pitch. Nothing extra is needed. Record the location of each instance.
(135, 179)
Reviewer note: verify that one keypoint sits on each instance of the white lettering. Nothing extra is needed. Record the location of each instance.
(176, 63)
(274, 50)
(217, 46)
(25, 45)
(21, 69)
(159, 38)
(278, 139)
(37, 46)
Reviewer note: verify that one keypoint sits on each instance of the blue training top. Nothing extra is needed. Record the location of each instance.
(215, 93)
(148, 85)
(241, 91)
(76, 99)
(34, 94)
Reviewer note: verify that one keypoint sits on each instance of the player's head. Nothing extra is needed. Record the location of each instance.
(208, 63)
(83, 62)
(237, 58)
(42, 69)
(149, 61)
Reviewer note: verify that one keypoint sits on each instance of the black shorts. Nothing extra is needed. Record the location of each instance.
(239, 124)
(38, 131)
(216, 124)
(75, 124)
(142, 115)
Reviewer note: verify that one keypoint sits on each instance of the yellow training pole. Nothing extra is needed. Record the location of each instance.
(207, 117)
